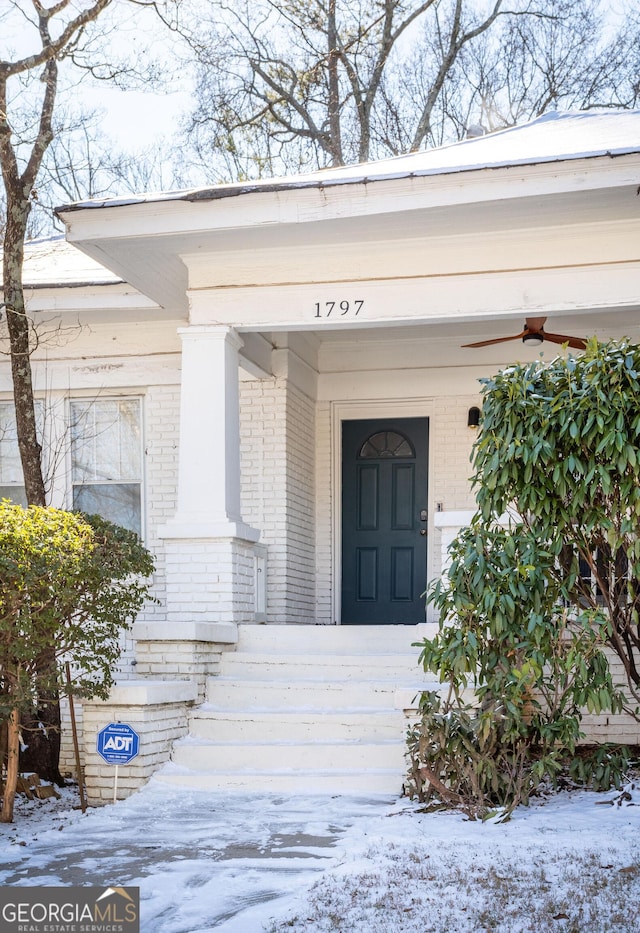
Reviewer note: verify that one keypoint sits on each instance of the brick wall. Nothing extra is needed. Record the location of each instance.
(157, 711)
(215, 582)
(262, 457)
(449, 454)
(277, 424)
(161, 430)
(610, 727)
(300, 506)
(324, 515)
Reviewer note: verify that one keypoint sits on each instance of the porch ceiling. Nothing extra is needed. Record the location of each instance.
(471, 328)
(439, 344)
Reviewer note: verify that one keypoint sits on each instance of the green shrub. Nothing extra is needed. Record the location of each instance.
(518, 669)
(69, 586)
(526, 610)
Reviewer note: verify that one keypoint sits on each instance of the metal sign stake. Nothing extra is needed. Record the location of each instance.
(115, 786)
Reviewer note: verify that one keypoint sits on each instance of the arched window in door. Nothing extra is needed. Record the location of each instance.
(386, 445)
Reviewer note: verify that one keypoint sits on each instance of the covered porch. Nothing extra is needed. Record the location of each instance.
(325, 387)
(345, 297)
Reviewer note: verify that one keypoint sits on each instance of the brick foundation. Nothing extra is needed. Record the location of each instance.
(157, 710)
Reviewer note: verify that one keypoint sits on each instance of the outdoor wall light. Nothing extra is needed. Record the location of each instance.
(473, 418)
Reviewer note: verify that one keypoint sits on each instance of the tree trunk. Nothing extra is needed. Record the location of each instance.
(18, 327)
(44, 743)
(20, 177)
(41, 735)
(13, 748)
(42, 754)
(41, 730)
(3, 746)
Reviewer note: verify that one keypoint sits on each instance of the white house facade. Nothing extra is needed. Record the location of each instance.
(268, 381)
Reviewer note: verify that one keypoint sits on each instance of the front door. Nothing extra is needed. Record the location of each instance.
(384, 502)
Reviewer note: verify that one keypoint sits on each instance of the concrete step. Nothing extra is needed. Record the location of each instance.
(226, 693)
(387, 782)
(306, 709)
(232, 726)
(360, 640)
(400, 668)
(277, 756)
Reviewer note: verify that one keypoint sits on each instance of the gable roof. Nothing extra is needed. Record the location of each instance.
(553, 137)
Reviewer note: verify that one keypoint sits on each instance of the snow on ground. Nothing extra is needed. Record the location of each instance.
(209, 861)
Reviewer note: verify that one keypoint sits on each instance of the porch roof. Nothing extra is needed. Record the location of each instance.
(553, 137)
(562, 169)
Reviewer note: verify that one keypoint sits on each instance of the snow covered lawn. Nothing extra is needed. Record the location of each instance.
(205, 861)
(564, 864)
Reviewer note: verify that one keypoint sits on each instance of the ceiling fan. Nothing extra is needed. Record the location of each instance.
(533, 335)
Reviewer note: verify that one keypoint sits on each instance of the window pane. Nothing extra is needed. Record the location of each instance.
(107, 461)
(104, 465)
(17, 494)
(82, 442)
(118, 503)
(130, 439)
(106, 441)
(10, 464)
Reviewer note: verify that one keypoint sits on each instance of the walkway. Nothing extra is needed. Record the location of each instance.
(203, 861)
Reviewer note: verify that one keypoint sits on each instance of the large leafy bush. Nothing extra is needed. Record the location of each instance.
(545, 577)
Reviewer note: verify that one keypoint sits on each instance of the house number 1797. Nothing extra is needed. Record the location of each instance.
(338, 308)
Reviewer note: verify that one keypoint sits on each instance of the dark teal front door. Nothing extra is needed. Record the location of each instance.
(384, 501)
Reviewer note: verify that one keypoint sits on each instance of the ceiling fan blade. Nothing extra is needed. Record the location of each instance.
(487, 343)
(576, 343)
(534, 324)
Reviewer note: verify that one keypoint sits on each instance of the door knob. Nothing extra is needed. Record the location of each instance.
(423, 532)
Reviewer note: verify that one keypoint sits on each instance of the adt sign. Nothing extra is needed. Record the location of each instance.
(117, 743)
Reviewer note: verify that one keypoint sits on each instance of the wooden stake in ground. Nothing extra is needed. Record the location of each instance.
(13, 752)
(76, 749)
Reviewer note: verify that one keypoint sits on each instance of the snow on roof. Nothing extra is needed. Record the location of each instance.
(53, 261)
(553, 137)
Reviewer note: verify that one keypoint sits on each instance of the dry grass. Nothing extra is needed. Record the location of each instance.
(413, 889)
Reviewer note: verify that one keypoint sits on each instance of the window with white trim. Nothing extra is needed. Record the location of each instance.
(11, 478)
(106, 459)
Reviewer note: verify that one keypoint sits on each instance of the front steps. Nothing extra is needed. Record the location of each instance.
(298, 708)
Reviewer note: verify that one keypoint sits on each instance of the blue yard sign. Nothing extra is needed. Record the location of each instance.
(117, 743)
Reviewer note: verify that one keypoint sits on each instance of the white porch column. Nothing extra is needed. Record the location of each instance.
(209, 456)
(208, 548)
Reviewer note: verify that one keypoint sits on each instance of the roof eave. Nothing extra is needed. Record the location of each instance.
(220, 192)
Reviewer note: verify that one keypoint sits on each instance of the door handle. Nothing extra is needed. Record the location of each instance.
(423, 532)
